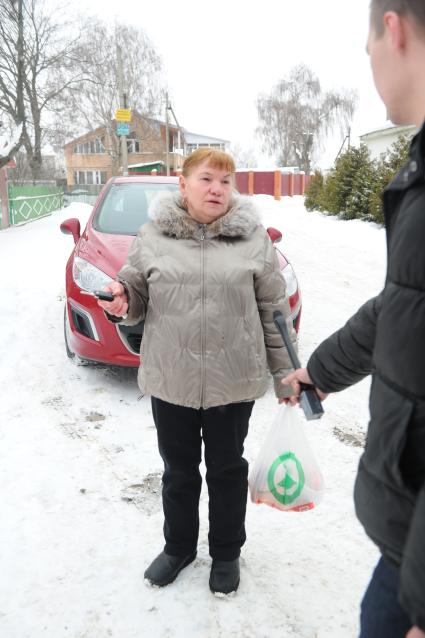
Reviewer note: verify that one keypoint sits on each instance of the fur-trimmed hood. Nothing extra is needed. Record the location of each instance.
(168, 213)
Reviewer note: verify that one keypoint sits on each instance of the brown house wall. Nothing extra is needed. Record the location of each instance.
(152, 139)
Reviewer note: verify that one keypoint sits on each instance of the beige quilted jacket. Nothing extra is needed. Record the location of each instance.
(207, 294)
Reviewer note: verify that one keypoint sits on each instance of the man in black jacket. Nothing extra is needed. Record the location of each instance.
(386, 338)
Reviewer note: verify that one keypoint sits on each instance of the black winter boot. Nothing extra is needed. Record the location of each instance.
(165, 568)
(224, 577)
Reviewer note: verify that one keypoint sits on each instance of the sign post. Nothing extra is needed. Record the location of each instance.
(123, 114)
(123, 128)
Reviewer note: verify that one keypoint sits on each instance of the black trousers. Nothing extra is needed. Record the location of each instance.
(180, 433)
(381, 614)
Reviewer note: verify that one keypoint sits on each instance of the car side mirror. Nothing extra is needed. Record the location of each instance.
(274, 234)
(71, 227)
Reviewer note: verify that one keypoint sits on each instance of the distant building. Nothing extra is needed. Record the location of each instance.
(94, 157)
(380, 140)
(193, 141)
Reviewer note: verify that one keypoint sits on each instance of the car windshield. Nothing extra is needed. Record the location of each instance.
(125, 207)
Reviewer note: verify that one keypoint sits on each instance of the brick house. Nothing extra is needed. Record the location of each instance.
(94, 157)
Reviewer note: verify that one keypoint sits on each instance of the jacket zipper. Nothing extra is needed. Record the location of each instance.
(203, 316)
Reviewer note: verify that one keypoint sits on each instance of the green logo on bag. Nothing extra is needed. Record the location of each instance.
(286, 478)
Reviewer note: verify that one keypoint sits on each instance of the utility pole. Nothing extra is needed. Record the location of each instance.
(179, 131)
(123, 105)
(167, 136)
(347, 139)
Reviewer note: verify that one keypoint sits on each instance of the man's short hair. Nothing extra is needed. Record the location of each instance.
(415, 9)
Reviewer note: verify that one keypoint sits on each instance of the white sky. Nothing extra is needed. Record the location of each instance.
(218, 56)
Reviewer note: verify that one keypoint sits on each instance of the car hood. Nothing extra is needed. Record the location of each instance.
(109, 252)
(105, 251)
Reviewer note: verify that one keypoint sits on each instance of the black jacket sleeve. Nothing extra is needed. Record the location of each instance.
(345, 357)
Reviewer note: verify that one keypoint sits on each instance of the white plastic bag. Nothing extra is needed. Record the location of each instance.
(286, 474)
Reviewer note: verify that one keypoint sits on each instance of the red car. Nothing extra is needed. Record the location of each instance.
(98, 255)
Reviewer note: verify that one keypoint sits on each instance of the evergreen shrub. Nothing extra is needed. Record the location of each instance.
(353, 188)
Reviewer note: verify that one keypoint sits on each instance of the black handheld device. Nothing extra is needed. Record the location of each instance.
(103, 296)
(309, 399)
(99, 294)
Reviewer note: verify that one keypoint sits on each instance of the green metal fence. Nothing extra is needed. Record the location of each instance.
(86, 193)
(32, 202)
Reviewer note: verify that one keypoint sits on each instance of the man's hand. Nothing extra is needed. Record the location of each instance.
(119, 306)
(415, 632)
(294, 379)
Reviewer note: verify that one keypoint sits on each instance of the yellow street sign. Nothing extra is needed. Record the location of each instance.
(123, 115)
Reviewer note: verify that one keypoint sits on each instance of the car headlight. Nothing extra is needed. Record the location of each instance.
(87, 276)
(291, 280)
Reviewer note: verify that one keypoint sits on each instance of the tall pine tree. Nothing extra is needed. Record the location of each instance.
(339, 184)
(386, 169)
(314, 192)
(362, 186)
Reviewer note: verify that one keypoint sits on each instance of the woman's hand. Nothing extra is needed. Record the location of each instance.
(119, 306)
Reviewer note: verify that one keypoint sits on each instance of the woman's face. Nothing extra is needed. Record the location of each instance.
(207, 191)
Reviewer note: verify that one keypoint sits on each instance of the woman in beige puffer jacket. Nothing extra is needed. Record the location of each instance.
(205, 277)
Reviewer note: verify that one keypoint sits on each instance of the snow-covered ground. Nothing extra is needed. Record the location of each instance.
(80, 472)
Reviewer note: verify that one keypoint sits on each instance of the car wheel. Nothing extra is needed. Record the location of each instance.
(69, 353)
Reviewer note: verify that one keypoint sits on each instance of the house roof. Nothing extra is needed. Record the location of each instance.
(195, 138)
(389, 129)
(83, 136)
(141, 164)
(190, 138)
(100, 129)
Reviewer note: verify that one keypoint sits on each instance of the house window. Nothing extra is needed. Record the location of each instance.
(194, 147)
(91, 147)
(90, 177)
(133, 146)
(100, 145)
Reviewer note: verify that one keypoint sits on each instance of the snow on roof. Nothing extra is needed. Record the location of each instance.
(194, 138)
(140, 164)
(388, 129)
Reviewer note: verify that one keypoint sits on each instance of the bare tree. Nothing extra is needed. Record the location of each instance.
(92, 102)
(297, 115)
(12, 103)
(31, 79)
(244, 157)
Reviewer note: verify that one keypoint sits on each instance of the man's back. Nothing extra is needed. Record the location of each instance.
(386, 337)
